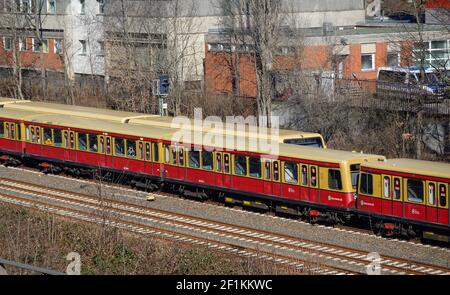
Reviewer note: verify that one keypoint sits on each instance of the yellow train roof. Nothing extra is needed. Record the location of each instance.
(145, 119)
(161, 133)
(436, 169)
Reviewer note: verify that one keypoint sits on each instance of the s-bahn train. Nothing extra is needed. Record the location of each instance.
(395, 197)
(282, 135)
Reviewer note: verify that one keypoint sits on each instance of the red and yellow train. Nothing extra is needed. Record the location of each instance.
(396, 196)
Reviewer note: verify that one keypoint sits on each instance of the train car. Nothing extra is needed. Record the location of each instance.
(283, 135)
(319, 183)
(407, 197)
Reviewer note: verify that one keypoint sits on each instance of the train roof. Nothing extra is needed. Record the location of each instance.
(436, 169)
(141, 118)
(161, 133)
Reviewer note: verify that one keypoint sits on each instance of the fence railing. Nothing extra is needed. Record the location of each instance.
(24, 266)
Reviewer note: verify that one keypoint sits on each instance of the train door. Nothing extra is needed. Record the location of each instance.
(276, 184)
(218, 169)
(431, 201)
(181, 161)
(108, 152)
(267, 177)
(101, 150)
(397, 202)
(157, 159)
(443, 212)
(226, 170)
(314, 184)
(304, 182)
(386, 198)
(66, 144)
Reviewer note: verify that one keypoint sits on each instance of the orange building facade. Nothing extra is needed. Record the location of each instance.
(32, 56)
(357, 57)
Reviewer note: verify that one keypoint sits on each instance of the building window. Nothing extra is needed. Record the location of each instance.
(434, 53)
(83, 47)
(25, 6)
(23, 44)
(101, 6)
(7, 43)
(45, 46)
(368, 62)
(58, 46)
(35, 45)
(51, 6)
(393, 59)
(82, 6)
(101, 48)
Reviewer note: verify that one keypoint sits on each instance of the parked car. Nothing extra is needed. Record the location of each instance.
(408, 83)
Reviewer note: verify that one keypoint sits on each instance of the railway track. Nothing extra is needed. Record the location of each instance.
(214, 234)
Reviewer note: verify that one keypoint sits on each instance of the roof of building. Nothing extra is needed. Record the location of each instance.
(436, 169)
(239, 143)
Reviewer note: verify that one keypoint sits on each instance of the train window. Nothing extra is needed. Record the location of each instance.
(48, 136)
(442, 195)
(7, 130)
(148, 152)
(13, 129)
(267, 170)
(313, 176)
(334, 179)
(255, 167)
(397, 189)
(57, 137)
(354, 171)
(82, 141)
(131, 148)
(290, 172)
(66, 137)
(2, 129)
(108, 145)
(415, 190)
(366, 184)
(276, 173)
(155, 152)
(119, 146)
(38, 135)
(19, 132)
(101, 144)
(194, 158)
(140, 150)
(93, 143)
(207, 160)
(431, 194)
(240, 165)
(304, 175)
(218, 162)
(72, 138)
(166, 154)
(226, 163)
(27, 133)
(387, 187)
(174, 155)
(181, 156)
